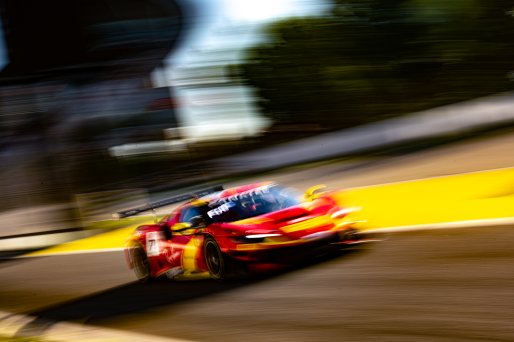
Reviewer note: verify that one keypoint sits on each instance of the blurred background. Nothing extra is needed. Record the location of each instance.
(102, 98)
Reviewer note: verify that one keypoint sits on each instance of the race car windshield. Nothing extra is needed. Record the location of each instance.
(255, 202)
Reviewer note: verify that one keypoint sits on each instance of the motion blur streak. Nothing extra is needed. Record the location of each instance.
(472, 196)
(411, 286)
(146, 94)
(110, 104)
(471, 199)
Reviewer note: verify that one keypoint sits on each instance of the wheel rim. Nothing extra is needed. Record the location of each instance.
(213, 258)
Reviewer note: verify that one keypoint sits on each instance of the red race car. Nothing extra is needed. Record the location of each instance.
(221, 233)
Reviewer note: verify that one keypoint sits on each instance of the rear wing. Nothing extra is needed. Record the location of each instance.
(168, 201)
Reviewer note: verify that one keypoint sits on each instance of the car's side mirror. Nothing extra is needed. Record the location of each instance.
(166, 230)
(314, 192)
(198, 222)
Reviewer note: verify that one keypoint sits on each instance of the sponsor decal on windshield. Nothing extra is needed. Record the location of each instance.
(224, 205)
(265, 189)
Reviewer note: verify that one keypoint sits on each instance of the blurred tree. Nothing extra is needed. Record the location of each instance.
(372, 59)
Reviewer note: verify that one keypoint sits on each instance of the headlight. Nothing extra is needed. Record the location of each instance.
(254, 238)
(261, 236)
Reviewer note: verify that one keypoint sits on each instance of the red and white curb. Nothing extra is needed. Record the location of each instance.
(19, 326)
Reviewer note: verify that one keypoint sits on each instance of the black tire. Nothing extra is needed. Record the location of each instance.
(140, 264)
(214, 259)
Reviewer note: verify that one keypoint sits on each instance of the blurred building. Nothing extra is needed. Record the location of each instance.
(85, 80)
(212, 102)
(74, 40)
(76, 80)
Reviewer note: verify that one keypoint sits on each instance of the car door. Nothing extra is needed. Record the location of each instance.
(182, 249)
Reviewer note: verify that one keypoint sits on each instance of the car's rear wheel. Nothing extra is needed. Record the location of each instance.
(140, 264)
(214, 259)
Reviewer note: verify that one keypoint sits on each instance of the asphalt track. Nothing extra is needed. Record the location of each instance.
(443, 285)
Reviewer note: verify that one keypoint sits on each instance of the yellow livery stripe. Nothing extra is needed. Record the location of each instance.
(307, 224)
(190, 254)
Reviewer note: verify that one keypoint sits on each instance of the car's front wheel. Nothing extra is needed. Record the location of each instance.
(214, 259)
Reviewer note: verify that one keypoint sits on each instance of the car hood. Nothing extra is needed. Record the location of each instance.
(294, 222)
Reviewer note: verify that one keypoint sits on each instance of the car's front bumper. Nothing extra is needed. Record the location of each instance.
(289, 251)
